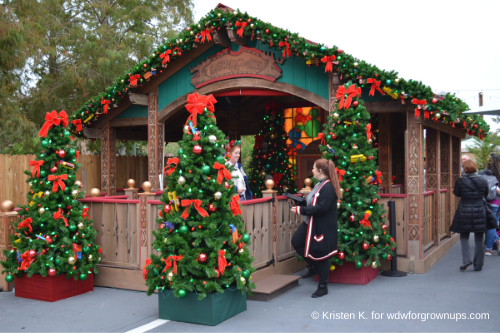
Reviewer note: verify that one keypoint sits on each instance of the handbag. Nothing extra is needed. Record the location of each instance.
(491, 222)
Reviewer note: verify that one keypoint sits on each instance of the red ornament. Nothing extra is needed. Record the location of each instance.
(339, 51)
(52, 272)
(48, 239)
(352, 218)
(355, 103)
(217, 273)
(264, 156)
(162, 226)
(197, 149)
(61, 153)
(341, 255)
(374, 201)
(365, 246)
(333, 136)
(211, 208)
(267, 31)
(240, 245)
(167, 209)
(369, 158)
(226, 185)
(389, 257)
(53, 169)
(384, 227)
(202, 257)
(32, 253)
(475, 126)
(249, 21)
(434, 101)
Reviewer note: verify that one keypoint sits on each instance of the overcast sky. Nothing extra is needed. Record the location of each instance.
(451, 46)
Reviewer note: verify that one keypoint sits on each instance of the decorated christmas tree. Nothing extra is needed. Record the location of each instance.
(347, 141)
(201, 239)
(54, 234)
(270, 155)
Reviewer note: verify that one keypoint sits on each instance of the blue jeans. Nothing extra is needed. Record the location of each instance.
(491, 235)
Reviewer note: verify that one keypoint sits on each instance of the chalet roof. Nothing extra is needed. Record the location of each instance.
(489, 110)
(446, 109)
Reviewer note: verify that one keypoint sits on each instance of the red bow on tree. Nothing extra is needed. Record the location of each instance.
(206, 33)
(258, 142)
(222, 261)
(170, 260)
(85, 214)
(78, 124)
(144, 270)
(59, 215)
(197, 204)
(196, 136)
(286, 51)
(234, 204)
(27, 260)
(350, 92)
(419, 103)
(375, 85)
(241, 26)
(322, 137)
(277, 177)
(174, 161)
(364, 222)
(378, 176)
(166, 57)
(58, 181)
(133, 80)
(26, 224)
(329, 62)
(223, 172)
(106, 103)
(196, 104)
(51, 120)
(340, 173)
(36, 167)
(369, 132)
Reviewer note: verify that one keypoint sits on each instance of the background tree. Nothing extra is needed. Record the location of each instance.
(482, 149)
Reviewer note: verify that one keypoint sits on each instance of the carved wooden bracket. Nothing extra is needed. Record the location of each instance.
(220, 37)
(233, 36)
(138, 99)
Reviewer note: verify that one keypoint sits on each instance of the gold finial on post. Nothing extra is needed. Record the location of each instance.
(306, 190)
(131, 183)
(269, 184)
(95, 192)
(7, 206)
(146, 186)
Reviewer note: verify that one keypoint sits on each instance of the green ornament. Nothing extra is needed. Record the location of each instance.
(86, 249)
(328, 137)
(72, 152)
(345, 238)
(67, 134)
(358, 264)
(45, 143)
(58, 260)
(9, 278)
(388, 82)
(182, 293)
(245, 274)
(343, 163)
(357, 189)
(183, 229)
(205, 169)
(180, 152)
(83, 276)
(246, 238)
(43, 173)
(384, 256)
(72, 228)
(219, 159)
(359, 203)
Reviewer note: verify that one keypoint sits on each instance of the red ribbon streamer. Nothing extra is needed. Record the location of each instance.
(36, 167)
(364, 222)
(206, 33)
(175, 161)
(351, 92)
(170, 260)
(234, 204)
(144, 270)
(106, 103)
(78, 124)
(197, 204)
(241, 26)
(418, 103)
(59, 215)
(58, 180)
(378, 176)
(26, 224)
(222, 261)
(286, 51)
(329, 62)
(52, 119)
(369, 132)
(85, 213)
(340, 173)
(166, 57)
(133, 80)
(375, 85)
(223, 172)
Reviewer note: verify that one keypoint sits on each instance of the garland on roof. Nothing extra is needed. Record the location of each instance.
(446, 109)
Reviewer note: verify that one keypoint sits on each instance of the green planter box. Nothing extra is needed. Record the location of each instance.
(212, 310)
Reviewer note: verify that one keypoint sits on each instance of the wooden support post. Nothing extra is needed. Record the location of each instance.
(445, 152)
(414, 174)
(7, 220)
(108, 159)
(433, 177)
(385, 150)
(333, 85)
(270, 193)
(155, 142)
(145, 242)
(133, 193)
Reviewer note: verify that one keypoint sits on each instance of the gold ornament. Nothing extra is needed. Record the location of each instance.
(252, 26)
(41, 210)
(71, 260)
(355, 64)
(369, 140)
(437, 115)
(341, 190)
(170, 276)
(241, 251)
(146, 186)
(269, 184)
(95, 192)
(73, 193)
(191, 33)
(30, 184)
(262, 174)
(338, 205)
(185, 129)
(181, 180)
(243, 280)
(81, 225)
(78, 183)
(397, 81)
(7, 206)
(219, 15)
(335, 115)
(131, 183)
(217, 195)
(374, 265)
(376, 238)
(90, 257)
(332, 267)
(165, 240)
(272, 136)
(47, 193)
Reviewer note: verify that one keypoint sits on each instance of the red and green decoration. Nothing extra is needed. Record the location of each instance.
(201, 240)
(363, 234)
(447, 109)
(54, 234)
(270, 155)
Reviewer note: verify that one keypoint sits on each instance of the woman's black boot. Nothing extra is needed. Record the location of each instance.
(321, 291)
(312, 271)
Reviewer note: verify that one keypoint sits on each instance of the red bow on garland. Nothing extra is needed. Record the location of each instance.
(364, 222)
(197, 204)
(78, 124)
(351, 92)
(166, 57)
(369, 132)
(144, 270)
(58, 181)
(85, 213)
(223, 172)
(174, 161)
(375, 85)
(133, 80)
(241, 26)
(36, 167)
(340, 173)
(206, 33)
(27, 260)
(286, 51)
(234, 204)
(170, 260)
(51, 120)
(106, 103)
(329, 62)
(59, 215)
(222, 261)
(378, 176)
(419, 103)
(26, 224)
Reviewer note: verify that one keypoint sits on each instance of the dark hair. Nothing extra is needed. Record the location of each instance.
(328, 168)
(469, 166)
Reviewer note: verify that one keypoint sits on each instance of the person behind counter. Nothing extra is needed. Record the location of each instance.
(239, 178)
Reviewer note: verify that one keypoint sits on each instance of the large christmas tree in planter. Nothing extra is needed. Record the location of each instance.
(347, 141)
(203, 267)
(270, 155)
(54, 254)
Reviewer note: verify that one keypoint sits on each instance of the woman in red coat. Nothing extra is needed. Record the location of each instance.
(316, 238)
